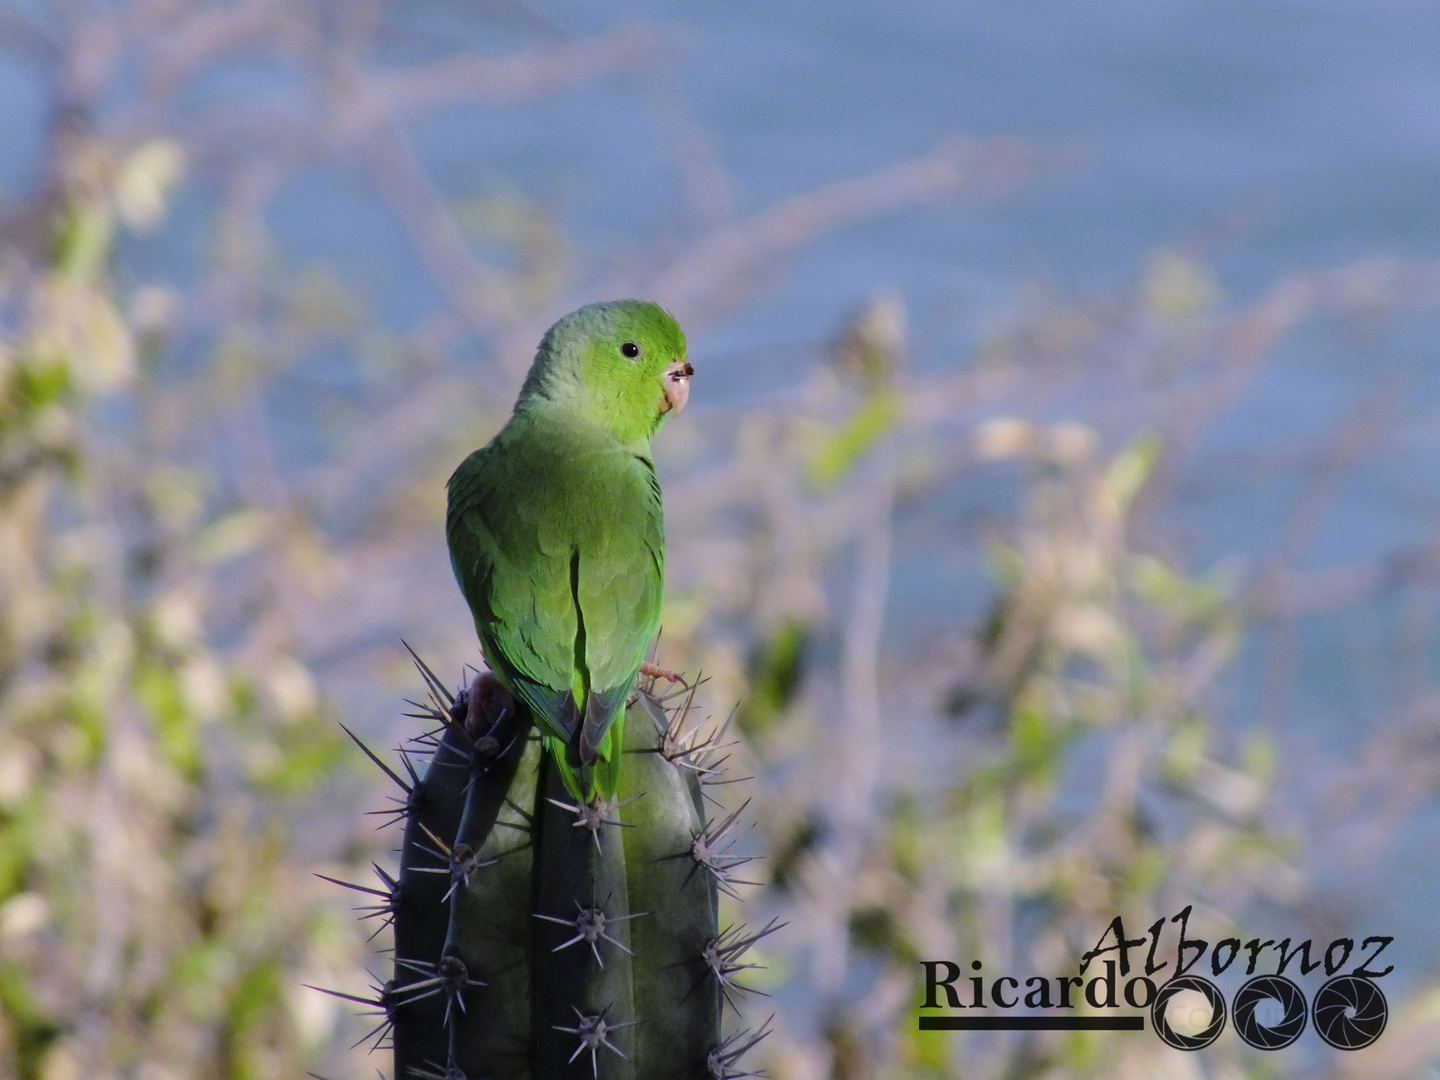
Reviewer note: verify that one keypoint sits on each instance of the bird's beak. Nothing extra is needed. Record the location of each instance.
(677, 387)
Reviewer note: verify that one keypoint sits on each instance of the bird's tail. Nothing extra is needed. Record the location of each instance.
(602, 777)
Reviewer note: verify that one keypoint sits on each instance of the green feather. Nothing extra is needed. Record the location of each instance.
(556, 532)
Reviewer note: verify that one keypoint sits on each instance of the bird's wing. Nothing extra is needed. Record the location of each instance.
(515, 569)
(620, 578)
(560, 554)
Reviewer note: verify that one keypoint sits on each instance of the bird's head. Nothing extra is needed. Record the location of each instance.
(621, 363)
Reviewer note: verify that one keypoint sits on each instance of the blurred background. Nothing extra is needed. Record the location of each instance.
(1057, 504)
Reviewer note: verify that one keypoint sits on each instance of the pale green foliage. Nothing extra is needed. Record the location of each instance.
(150, 923)
(1090, 641)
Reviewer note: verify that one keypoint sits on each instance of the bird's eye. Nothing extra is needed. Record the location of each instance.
(630, 350)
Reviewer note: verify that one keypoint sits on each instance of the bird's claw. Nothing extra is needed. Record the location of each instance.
(655, 671)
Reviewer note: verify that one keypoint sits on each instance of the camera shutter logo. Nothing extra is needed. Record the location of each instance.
(1212, 1029)
(1350, 1012)
(1268, 988)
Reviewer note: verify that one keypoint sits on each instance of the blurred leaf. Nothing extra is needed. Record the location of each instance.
(1129, 471)
(776, 666)
(872, 928)
(1178, 288)
(231, 536)
(256, 1002)
(1200, 600)
(841, 451)
(158, 688)
(33, 1033)
(81, 327)
(82, 241)
(38, 384)
(304, 755)
(1258, 756)
(146, 178)
(790, 852)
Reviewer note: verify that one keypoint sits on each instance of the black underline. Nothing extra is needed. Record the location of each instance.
(1032, 1023)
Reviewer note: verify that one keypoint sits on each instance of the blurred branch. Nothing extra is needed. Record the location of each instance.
(1372, 420)
(1294, 594)
(857, 745)
(356, 104)
(183, 37)
(19, 32)
(1248, 338)
(726, 264)
(712, 272)
(702, 176)
(477, 292)
(512, 80)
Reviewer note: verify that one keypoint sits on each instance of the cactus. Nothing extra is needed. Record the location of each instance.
(539, 939)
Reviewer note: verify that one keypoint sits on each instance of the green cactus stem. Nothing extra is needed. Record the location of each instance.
(541, 939)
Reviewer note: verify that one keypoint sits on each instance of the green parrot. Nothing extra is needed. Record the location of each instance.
(556, 533)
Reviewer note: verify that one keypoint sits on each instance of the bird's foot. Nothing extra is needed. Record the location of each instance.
(655, 671)
(488, 703)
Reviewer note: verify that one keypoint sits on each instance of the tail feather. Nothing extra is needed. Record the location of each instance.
(603, 709)
(599, 777)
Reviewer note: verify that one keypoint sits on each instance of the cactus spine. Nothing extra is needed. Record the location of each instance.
(538, 939)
